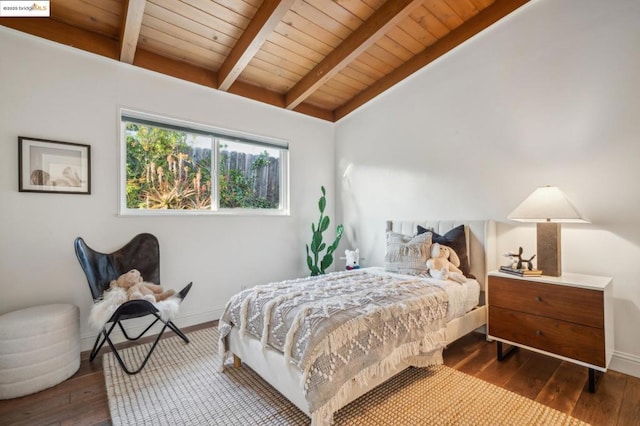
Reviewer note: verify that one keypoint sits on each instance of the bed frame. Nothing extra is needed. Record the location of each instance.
(269, 363)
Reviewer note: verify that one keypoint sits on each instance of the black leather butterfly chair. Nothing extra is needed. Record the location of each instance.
(141, 253)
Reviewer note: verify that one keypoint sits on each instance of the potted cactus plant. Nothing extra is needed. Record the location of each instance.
(316, 260)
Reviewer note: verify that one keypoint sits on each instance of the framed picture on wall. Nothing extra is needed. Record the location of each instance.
(52, 166)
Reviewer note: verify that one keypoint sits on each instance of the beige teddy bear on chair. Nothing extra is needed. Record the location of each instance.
(444, 263)
(137, 288)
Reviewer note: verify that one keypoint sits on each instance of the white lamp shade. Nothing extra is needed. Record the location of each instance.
(547, 204)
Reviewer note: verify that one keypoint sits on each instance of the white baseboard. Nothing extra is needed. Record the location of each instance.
(136, 326)
(625, 363)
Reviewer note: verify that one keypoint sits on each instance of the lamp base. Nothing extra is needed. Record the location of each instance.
(548, 246)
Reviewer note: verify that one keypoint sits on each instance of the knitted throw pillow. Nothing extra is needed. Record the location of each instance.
(407, 254)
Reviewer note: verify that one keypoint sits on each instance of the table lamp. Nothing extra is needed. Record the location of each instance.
(548, 207)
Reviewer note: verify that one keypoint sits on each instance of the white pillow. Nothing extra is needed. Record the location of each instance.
(407, 254)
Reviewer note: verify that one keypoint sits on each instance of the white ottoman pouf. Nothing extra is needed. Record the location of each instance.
(39, 348)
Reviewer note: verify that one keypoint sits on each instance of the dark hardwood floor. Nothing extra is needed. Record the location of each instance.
(82, 399)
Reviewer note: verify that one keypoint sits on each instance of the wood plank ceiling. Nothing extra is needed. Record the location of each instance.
(324, 58)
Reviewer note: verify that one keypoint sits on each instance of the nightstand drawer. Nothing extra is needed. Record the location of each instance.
(573, 304)
(563, 338)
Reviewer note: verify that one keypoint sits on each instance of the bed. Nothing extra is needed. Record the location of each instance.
(279, 359)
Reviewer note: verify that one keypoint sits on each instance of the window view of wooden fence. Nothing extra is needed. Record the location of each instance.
(249, 180)
(172, 170)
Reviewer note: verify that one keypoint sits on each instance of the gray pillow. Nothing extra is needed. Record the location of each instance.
(407, 254)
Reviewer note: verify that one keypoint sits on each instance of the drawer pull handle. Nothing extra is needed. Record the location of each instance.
(538, 332)
(538, 299)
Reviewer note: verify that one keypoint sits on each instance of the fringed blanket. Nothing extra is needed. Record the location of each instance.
(342, 329)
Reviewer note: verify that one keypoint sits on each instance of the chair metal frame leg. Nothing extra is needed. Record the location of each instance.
(119, 322)
(179, 332)
(104, 334)
(144, 362)
(103, 337)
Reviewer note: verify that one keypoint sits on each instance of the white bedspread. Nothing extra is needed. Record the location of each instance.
(462, 297)
(343, 328)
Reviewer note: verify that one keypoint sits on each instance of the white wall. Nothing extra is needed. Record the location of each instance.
(56, 92)
(548, 96)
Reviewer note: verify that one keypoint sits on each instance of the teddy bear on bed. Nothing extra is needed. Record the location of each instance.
(136, 288)
(444, 263)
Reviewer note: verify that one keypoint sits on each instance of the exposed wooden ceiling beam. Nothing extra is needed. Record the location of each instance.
(261, 26)
(66, 34)
(482, 20)
(352, 46)
(382, 20)
(130, 29)
(314, 111)
(273, 98)
(182, 70)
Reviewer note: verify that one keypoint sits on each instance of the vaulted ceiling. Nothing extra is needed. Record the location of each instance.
(324, 58)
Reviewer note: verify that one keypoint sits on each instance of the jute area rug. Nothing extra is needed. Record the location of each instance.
(180, 386)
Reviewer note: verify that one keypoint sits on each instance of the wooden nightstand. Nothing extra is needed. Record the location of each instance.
(568, 317)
